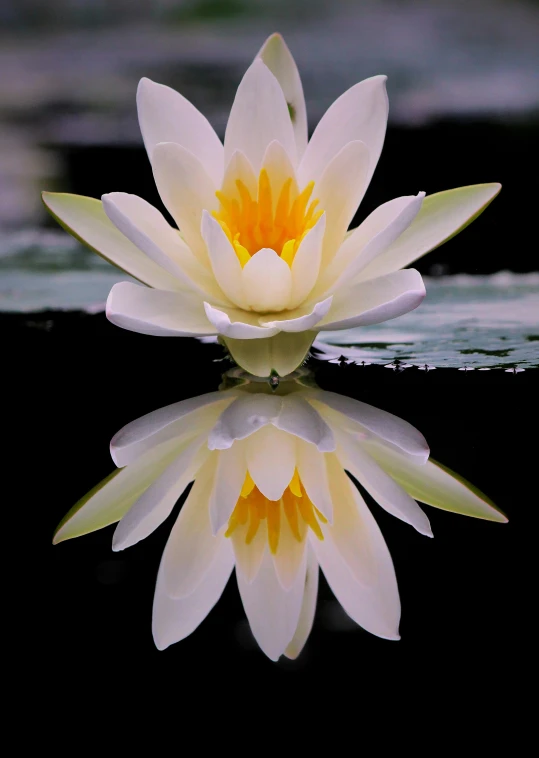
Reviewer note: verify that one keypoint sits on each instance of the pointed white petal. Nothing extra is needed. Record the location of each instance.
(379, 485)
(86, 220)
(239, 167)
(166, 116)
(186, 190)
(156, 503)
(359, 114)
(191, 547)
(441, 217)
(299, 418)
(237, 324)
(436, 485)
(110, 500)
(249, 556)
(381, 423)
(290, 555)
(259, 115)
(306, 264)
(245, 416)
(300, 319)
(271, 460)
(272, 612)
(151, 311)
(224, 261)
(312, 471)
(282, 353)
(308, 608)
(279, 60)
(267, 282)
(175, 619)
(375, 301)
(229, 478)
(280, 169)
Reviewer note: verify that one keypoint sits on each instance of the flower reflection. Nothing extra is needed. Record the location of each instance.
(272, 499)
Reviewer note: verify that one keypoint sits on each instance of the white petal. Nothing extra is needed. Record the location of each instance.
(249, 556)
(110, 500)
(191, 547)
(372, 237)
(271, 460)
(244, 417)
(86, 220)
(340, 191)
(166, 116)
(151, 311)
(379, 485)
(290, 556)
(282, 353)
(381, 423)
(224, 261)
(374, 606)
(280, 169)
(175, 619)
(306, 264)
(441, 217)
(148, 229)
(436, 485)
(272, 612)
(180, 420)
(308, 608)
(239, 167)
(156, 503)
(312, 471)
(375, 301)
(359, 114)
(229, 478)
(300, 319)
(186, 190)
(299, 418)
(259, 115)
(279, 60)
(245, 325)
(267, 282)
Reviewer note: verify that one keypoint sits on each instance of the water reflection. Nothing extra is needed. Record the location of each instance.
(271, 499)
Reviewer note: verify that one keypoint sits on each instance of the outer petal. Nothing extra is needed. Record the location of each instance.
(297, 418)
(148, 229)
(282, 353)
(279, 60)
(340, 191)
(229, 479)
(300, 319)
(375, 301)
(86, 220)
(312, 471)
(110, 500)
(359, 114)
(383, 489)
(376, 606)
(381, 423)
(181, 420)
(175, 619)
(306, 264)
(166, 116)
(186, 189)
(271, 460)
(308, 608)
(372, 237)
(151, 311)
(157, 502)
(245, 325)
(192, 548)
(441, 217)
(436, 485)
(267, 282)
(273, 612)
(224, 261)
(259, 115)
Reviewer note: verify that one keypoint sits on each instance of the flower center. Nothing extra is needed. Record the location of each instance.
(252, 508)
(255, 223)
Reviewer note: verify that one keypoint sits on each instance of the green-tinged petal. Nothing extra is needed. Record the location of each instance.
(86, 220)
(441, 217)
(110, 500)
(436, 485)
(281, 354)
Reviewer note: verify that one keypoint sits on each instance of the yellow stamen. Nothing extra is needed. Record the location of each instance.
(274, 525)
(248, 485)
(288, 251)
(295, 484)
(289, 507)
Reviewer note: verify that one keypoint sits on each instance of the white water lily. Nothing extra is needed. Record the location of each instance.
(263, 257)
(271, 498)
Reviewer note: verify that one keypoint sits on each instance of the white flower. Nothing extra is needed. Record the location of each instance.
(264, 257)
(271, 498)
